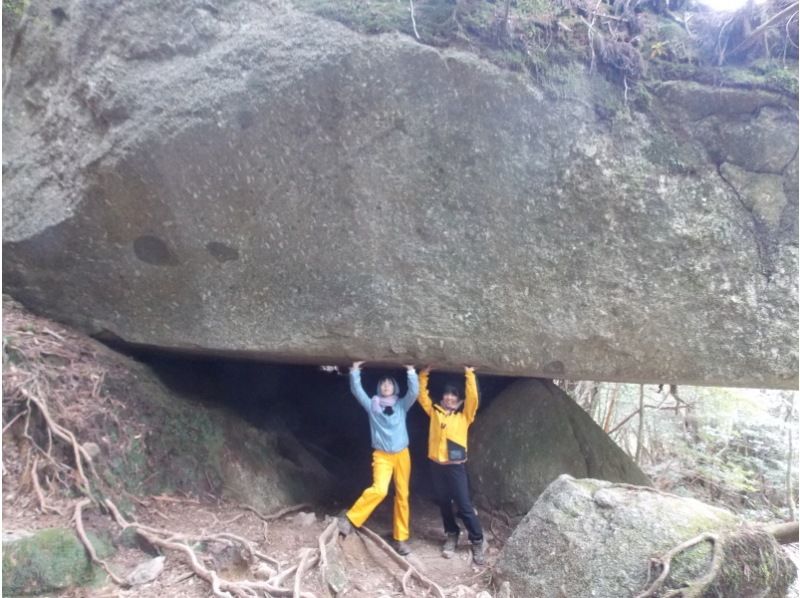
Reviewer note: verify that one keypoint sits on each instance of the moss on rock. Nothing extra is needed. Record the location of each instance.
(51, 559)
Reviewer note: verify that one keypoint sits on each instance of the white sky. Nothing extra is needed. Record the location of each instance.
(727, 5)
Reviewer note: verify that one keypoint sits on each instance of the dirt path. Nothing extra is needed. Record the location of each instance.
(371, 573)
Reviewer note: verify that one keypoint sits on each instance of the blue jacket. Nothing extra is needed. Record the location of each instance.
(388, 432)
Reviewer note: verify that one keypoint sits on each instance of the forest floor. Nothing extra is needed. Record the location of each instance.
(370, 572)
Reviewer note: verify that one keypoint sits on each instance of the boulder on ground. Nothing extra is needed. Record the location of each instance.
(595, 538)
(236, 178)
(532, 433)
(49, 560)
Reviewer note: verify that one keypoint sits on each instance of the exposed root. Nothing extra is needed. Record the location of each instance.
(301, 569)
(78, 520)
(43, 507)
(274, 586)
(278, 514)
(404, 582)
(437, 590)
(697, 588)
(65, 435)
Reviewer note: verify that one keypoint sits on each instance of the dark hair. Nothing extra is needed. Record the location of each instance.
(451, 389)
(388, 379)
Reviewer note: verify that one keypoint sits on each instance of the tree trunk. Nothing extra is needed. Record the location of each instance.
(640, 431)
(784, 533)
(611, 405)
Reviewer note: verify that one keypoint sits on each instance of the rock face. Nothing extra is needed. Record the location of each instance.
(162, 438)
(531, 434)
(592, 538)
(238, 178)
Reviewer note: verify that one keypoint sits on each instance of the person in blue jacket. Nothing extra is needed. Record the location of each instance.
(390, 456)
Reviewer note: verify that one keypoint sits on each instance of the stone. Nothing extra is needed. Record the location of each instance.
(335, 574)
(505, 590)
(304, 519)
(263, 571)
(50, 560)
(92, 449)
(253, 180)
(146, 572)
(585, 547)
(530, 434)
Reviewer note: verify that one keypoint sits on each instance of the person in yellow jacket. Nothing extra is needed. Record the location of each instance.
(447, 450)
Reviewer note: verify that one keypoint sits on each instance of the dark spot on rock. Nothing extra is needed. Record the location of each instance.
(554, 367)
(222, 252)
(152, 250)
(245, 118)
(59, 15)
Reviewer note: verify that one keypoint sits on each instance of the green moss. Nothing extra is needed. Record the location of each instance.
(15, 7)
(52, 559)
(769, 74)
(691, 564)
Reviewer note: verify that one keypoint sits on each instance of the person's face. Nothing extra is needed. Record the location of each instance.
(387, 388)
(450, 401)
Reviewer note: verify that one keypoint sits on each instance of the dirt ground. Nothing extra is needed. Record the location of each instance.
(371, 573)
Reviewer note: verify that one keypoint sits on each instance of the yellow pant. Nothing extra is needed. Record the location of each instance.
(384, 467)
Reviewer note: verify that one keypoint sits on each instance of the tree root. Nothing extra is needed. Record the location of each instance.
(278, 514)
(43, 507)
(78, 520)
(437, 590)
(223, 588)
(696, 589)
(65, 435)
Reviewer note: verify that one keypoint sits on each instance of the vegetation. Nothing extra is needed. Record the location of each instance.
(629, 43)
(721, 445)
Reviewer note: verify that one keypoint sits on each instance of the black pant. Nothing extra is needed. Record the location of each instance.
(450, 484)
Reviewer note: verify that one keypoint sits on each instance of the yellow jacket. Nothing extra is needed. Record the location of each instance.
(447, 438)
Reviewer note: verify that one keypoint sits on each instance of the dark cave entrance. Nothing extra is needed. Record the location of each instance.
(315, 405)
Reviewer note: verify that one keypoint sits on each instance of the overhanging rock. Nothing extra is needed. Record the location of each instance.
(235, 178)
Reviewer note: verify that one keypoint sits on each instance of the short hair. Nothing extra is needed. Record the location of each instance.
(451, 389)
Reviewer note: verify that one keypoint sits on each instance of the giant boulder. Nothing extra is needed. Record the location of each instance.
(532, 433)
(244, 178)
(588, 538)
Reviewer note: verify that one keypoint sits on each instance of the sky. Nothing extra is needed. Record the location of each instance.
(726, 5)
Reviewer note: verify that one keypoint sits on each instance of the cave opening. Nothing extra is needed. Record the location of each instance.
(314, 404)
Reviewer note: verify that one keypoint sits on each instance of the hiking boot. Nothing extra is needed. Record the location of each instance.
(478, 556)
(345, 527)
(401, 547)
(449, 546)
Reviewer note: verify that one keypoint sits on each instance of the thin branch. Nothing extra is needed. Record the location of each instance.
(413, 20)
(278, 514)
(747, 42)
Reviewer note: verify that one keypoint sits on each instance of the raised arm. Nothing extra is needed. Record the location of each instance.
(424, 398)
(413, 387)
(355, 385)
(471, 394)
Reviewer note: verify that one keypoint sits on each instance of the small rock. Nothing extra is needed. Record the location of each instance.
(483, 594)
(505, 590)
(605, 499)
(146, 572)
(264, 571)
(12, 536)
(304, 519)
(91, 449)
